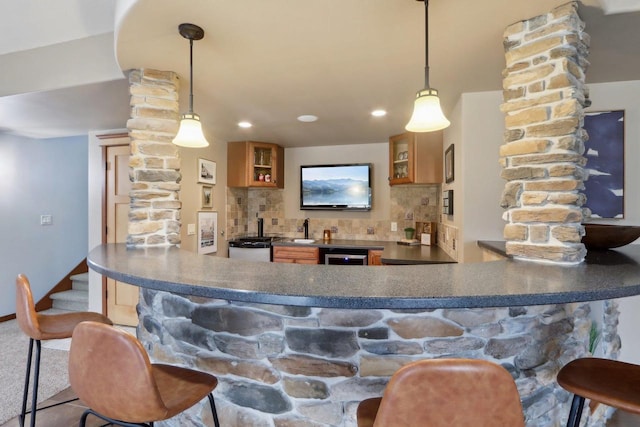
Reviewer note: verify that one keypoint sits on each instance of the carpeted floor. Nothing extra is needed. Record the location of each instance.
(13, 359)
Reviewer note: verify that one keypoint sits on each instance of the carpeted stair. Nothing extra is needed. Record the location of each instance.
(75, 299)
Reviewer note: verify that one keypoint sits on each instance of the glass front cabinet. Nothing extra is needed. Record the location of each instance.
(415, 158)
(255, 164)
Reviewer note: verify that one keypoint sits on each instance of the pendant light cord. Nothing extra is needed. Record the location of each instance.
(191, 75)
(426, 43)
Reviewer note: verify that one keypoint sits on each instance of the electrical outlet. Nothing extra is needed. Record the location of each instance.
(191, 229)
(394, 226)
(46, 220)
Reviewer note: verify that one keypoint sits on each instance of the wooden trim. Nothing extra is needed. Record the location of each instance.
(103, 279)
(108, 139)
(63, 285)
(105, 311)
(7, 317)
(104, 194)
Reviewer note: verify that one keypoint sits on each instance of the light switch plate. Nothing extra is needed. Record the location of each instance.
(46, 220)
(191, 229)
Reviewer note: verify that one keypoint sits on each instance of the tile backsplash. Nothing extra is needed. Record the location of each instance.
(408, 204)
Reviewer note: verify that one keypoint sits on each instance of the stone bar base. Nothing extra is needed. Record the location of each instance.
(285, 366)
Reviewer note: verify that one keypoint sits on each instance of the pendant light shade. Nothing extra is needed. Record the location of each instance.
(190, 132)
(427, 114)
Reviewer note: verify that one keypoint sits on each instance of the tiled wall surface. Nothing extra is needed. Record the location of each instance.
(408, 204)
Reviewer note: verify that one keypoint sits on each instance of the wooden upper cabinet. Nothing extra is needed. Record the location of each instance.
(415, 158)
(255, 164)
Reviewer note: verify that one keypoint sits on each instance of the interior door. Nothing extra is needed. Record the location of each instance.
(121, 297)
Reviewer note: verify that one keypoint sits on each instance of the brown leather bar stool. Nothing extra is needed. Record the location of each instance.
(111, 373)
(40, 327)
(445, 393)
(606, 381)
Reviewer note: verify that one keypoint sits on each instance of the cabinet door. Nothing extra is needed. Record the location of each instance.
(255, 164)
(262, 158)
(295, 254)
(375, 257)
(401, 159)
(415, 158)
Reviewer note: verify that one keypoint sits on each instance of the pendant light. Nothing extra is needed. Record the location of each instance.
(427, 113)
(190, 131)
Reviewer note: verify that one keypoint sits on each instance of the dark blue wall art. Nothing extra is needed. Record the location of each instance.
(605, 161)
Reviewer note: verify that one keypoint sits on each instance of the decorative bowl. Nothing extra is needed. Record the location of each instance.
(606, 236)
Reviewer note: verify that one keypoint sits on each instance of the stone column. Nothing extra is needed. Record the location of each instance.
(154, 216)
(544, 96)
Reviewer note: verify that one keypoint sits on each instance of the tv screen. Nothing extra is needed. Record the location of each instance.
(336, 187)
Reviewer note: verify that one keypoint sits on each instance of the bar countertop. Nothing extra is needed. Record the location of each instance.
(604, 275)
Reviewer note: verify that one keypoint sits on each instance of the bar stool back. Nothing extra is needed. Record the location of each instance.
(40, 327)
(111, 373)
(444, 393)
(611, 382)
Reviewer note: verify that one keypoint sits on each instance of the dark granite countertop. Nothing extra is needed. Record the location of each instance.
(392, 252)
(604, 275)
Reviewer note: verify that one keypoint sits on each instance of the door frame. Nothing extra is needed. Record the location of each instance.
(98, 143)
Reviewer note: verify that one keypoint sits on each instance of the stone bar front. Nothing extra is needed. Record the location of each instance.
(301, 345)
(309, 366)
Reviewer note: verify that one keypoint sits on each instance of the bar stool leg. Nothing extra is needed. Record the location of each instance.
(577, 404)
(213, 410)
(27, 377)
(36, 377)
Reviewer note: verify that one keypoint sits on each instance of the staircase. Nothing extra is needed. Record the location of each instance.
(75, 299)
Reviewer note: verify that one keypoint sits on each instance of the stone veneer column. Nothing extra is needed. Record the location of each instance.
(154, 216)
(544, 96)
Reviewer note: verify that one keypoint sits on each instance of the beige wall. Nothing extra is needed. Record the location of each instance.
(377, 154)
(190, 192)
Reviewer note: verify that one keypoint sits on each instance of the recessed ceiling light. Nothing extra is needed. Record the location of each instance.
(307, 118)
(378, 113)
(245, 125)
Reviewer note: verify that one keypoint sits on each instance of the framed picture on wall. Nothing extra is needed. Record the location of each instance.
(206, 171)
(448, 165)
(206, 196)
(604, 151)
(207, 232)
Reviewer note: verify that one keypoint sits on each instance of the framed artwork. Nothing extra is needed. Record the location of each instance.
(448, 165)
(207, 232)
(206, 196)
(206, 171)
(605, 162)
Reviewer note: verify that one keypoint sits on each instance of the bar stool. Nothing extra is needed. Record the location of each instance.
(606, 381)
(40, 327)
(445, 393)
(111, 373)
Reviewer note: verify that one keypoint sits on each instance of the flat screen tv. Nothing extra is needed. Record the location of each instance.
(336, 187)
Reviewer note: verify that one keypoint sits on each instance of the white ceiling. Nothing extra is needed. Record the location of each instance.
(271, 61)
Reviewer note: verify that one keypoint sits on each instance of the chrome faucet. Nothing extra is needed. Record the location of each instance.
(306, 228)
